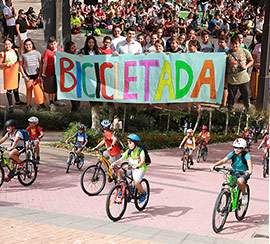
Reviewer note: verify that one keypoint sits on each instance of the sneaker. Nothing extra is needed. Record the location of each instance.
(20, 103)
(59, 103)
(244, 199)
(52, 107)
(143, 197)
(191, 162)
(28, 108)
(20, 166)
(8, 178)
(42, 107)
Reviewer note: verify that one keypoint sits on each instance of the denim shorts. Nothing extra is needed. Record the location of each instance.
(236, 176)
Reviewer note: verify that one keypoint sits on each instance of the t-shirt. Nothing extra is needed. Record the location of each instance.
(257, 51)
(33, 132)
(211, 25)
(22, 25)
(115, 41)
(238, 164)
(204, 135)
(134, 158)
(223, 51)
(20, 143)
(8, 11)
(207, 48)
(75, 21)
(108, 141)
(31, 62)
(266, 140)
(49, 57)
(189, 142)
(105, 51)
(80, 138)
(235, 75)
(11, 56)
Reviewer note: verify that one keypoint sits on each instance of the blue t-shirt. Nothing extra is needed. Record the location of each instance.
(211, 25)
(238, 165)
(225, 50)
(80, 138)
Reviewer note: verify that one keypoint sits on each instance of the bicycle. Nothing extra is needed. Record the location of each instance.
(74, 158)
(229, 199)
(186, 162)
(202, 153)
(266, 164)
(26, 176)
(93, 178)
(31, 152)
(122, 193)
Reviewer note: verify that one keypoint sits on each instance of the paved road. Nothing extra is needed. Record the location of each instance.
(180, 205)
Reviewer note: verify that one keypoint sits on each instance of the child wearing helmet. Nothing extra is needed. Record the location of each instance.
(16, 148)
(189, 142)
(136, 158)
(203, 139)
(35, 134)
(113, 151)
(241, 160)
(266, 142)
(247, 135)
(81, 140)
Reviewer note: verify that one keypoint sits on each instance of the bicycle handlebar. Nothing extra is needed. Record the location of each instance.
(2, 148)
(230, 170)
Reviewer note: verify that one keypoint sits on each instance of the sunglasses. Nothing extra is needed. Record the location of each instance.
(238, 148)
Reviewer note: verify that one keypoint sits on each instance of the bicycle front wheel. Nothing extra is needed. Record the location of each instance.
(145, 185)
(264, 169)
(184, 166)
(29, 154)
(70, 160)
(116, 204)
(241, 210)
(80, 164)
(28, 173)
(204, 155)
(93, 180)
(2, 175)
(221, 210)
(199, 155)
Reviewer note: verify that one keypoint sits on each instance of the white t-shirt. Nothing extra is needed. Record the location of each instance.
(115, 41)
(8, 11)
(13, 137)
(124, 47)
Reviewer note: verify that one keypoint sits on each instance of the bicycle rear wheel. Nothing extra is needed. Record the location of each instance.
(80, 164)
(93, 180)
(264, 169)
(145, 185)
(2, 175)
(241, 210)
(28, 173)
(204, 155)
(116, 204)
(221, 210)
(200, 155)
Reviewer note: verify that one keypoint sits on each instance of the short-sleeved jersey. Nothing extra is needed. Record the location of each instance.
(238, 164)
(189, 142)
(266, 140)
(204, 135)
(80, 138)
(108, 136)
(49, 57)
(33, 132)
(245, 134)
(134, 158)
(20, 143)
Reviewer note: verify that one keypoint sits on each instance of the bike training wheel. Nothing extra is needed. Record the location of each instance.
(80, 164)
(184, 166)
(93, 180)
(204, 155)
(70, 160)
(241, 210)
(146, 188)
(116, 205)
(2, 175)
(220, 211)
(28, 173)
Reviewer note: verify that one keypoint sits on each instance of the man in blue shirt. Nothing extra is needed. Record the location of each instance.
(241, 161)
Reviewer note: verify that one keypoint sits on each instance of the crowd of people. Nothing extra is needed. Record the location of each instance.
(149, 27)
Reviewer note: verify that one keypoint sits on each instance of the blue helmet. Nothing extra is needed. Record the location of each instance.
(134, 137)
(81, 127)
(106, 123)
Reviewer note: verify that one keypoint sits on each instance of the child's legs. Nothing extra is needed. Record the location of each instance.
(137, 177)
(29, 94)
(14, 155)
(37, 147)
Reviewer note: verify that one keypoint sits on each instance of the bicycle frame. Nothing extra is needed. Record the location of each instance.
(233, 191)
(4, 159)
(105, 163)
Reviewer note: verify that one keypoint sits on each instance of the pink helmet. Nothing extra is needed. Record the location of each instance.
(204, 127)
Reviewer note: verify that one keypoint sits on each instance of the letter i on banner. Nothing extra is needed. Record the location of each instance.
(116, 77)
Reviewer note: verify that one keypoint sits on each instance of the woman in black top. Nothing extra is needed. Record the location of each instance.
(21, 24)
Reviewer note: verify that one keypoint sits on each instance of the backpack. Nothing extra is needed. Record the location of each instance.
(244, 161)
(25, 135)
(147, 157)
(5, 55)
(119, 142)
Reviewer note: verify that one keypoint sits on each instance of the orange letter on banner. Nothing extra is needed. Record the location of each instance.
(64, 70)
(202, 80)
(102, 78)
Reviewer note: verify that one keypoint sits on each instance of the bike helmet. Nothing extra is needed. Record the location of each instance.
(81, 127)
(106, 123)
(10, 122)
(240, 142)
(134, 137)
(204, 127)
(246, 128)
(189, 131)
(33, 119)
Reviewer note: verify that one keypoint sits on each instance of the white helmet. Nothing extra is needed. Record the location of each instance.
(33, 119)
(189, 131)
(240, 142)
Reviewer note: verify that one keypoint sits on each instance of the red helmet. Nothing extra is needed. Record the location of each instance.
(204, 127)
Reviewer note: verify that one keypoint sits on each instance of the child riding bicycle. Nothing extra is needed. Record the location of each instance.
(35, 134)
(189, 143)
(266, 142)
(16, 148)
(81, 140)
(241, 161)
(136, 158)
(203, 138)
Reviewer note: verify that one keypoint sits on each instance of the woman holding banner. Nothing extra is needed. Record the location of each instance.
(30, 67)
(9, 61)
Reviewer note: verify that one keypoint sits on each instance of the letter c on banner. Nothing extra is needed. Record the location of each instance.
(64, 70)
(102, 77)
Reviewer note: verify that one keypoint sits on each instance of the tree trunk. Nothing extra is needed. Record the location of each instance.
(239, 124)
(210, 121)
(95, 117)
(59, 23)
(124, 119)
(227, 123)
(197, 122)
(248, 116)
(168, 123)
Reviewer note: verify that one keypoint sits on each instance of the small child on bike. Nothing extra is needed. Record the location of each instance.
(241, 161)
(189, 143)
(137, 161)
(16, 148)
(266, 142)
(35, 134)
(247, 135)
(81, 140)
(203, 138)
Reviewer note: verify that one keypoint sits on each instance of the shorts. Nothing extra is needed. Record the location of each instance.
(49, 84)
(24, 37)
(204, 7)
(110, 158)
(190, 151)
(237, 176)
(137, 174)
(20, 149)
(35, 140)
(32, 77)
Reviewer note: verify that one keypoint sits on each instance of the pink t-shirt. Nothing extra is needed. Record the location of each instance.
(49, 57)
(257, 51)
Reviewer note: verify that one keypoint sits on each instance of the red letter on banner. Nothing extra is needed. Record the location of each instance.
(64, 70)
(102, 77)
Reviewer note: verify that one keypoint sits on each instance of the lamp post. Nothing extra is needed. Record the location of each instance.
(263, 84)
